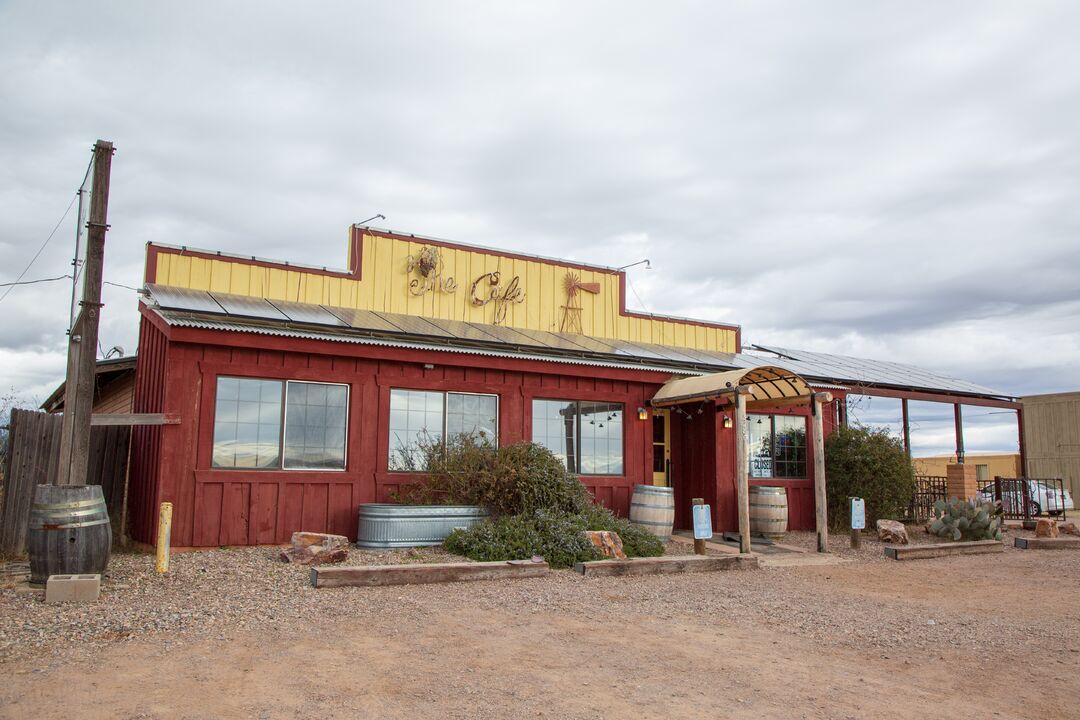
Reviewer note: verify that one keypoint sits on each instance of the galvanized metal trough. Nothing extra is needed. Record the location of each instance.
(386, 525)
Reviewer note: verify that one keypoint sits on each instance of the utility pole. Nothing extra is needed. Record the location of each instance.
(83, 341)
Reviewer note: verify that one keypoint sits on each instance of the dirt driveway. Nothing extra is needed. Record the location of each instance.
(985, 636)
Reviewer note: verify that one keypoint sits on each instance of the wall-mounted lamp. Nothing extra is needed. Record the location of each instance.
(727, 421)
(429, 366)
(642, 414)
(645, 262)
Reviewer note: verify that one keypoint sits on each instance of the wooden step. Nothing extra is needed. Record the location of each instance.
(374, 575)
(922, 552)
(1046, 543)
(667, 564)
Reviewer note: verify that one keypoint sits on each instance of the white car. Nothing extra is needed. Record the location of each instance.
(1042, 497)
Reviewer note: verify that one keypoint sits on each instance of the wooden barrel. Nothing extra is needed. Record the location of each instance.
(768, 512)
(653, 508)
(69, 532)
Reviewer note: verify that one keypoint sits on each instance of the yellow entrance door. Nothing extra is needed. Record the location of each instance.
(661, 447)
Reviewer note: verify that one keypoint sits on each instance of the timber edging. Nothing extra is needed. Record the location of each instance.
(375, 575)
(921, 552)
(1047, 543)
(658, 565)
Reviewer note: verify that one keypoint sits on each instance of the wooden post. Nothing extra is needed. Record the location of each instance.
(856, 539)
(1023, 448)
(742, 469)
(699, 545)
(820, 499)
(83, 342)
(164, 537)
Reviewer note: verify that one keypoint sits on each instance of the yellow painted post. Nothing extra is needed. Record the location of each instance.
(164, 533)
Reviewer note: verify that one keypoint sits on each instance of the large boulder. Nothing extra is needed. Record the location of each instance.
(1069, 528)
(890, 531)
(608, 543)
(309, 548)
(1046, 528)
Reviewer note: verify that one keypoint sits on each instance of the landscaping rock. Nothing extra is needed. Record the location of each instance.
(1069, 528)
(310, 548)
(608, 543)
(890, 531)
(1046, 528)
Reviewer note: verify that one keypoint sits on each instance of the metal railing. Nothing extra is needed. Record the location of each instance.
(928, 490)
(1027, 498)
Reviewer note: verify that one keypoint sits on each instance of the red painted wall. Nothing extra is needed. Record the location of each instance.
(236, 507)
(177, 373)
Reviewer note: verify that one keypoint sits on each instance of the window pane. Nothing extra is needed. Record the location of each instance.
(472, 414)
(247, 423)
(415, 415)
(555, 426)
(315, 419)
(601, 438)
(789, 446)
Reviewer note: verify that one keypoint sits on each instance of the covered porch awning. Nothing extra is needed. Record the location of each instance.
(767, 384)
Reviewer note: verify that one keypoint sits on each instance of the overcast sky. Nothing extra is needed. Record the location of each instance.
(890, 180)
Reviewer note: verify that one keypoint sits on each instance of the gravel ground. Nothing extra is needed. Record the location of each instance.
(213, 593)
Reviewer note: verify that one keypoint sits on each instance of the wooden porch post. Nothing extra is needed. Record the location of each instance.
(907, 426)
(742, 468)
(820, 499)
(958, 425)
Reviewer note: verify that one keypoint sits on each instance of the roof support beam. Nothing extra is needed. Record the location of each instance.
(857, 389)
(958, 425)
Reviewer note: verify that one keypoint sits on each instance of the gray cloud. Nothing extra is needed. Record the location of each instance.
(879, 179)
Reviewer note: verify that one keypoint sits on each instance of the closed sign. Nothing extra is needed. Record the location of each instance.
(858, 514)
(702, 522)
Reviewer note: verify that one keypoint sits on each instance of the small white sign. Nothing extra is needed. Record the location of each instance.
(702, 522)
(858, 514)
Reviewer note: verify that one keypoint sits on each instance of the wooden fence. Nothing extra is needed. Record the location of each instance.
(33, 458)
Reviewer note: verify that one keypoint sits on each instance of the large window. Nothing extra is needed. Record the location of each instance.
(587, 436)
(249, 423)
(777, 446)
(419, 416)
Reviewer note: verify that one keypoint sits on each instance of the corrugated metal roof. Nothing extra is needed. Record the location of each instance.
(822, 370)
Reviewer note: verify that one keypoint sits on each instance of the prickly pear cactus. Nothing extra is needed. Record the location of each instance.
(967, 520)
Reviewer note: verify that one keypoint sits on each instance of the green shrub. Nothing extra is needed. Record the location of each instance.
(967, 520)
(636, 540)
(540, 508)
(871, 464)
(468, 469)
(556, 536)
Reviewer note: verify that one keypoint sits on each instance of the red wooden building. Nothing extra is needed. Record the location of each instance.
(301, 391)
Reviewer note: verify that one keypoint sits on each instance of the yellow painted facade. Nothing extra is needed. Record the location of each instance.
(383, 284)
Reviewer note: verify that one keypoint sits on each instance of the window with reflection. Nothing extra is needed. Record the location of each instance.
(587, 436)
(422, 417)
(250, 415)
(777, 446)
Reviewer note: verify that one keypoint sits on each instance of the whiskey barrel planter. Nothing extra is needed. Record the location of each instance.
(653, 508)
(69, 532)
(386, 525)
(768, 512)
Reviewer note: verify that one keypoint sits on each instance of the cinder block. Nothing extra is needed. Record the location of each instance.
(72, 588)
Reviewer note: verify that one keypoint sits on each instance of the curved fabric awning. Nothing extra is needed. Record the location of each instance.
(767, 383)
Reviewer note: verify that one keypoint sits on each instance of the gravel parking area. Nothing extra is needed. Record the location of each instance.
(239, 623)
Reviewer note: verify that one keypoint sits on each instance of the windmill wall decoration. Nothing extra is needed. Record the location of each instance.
(571, 311)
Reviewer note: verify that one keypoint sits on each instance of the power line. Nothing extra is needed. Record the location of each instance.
(35, 282)
(128, 287)
(44, 244)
